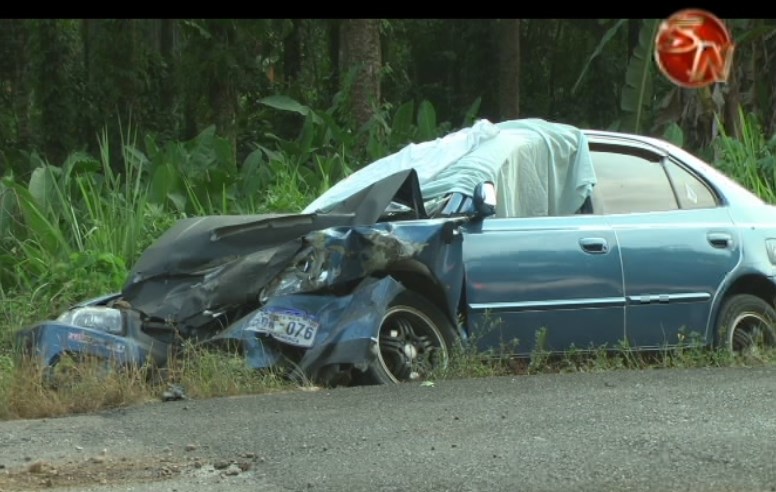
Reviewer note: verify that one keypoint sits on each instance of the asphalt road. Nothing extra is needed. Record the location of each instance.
(709, 429)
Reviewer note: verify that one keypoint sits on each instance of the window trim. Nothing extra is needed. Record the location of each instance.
(714, 193)
(659, 157)
(649, 155)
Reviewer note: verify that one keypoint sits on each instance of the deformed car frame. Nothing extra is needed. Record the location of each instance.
(306, 291)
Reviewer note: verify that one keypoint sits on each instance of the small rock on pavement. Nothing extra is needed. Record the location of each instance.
(174, 392)
(221, 465)
(231, 472)
(36, 467)
(191, 447)
(98, 459)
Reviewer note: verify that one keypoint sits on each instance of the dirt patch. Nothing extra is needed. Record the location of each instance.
(96, 470)
(103, 469)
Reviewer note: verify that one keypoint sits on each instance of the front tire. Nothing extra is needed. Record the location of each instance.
(746, 325)
(414, 341)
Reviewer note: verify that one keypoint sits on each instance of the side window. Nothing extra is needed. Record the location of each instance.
(691, 191)
(630, 184)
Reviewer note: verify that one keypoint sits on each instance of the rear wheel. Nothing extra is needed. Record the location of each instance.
(415, 340)
(746, 325)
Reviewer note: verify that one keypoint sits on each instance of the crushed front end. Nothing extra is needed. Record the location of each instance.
(305, 293)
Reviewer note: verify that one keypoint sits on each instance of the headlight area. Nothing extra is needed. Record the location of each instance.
(100, 318)
(310, 270)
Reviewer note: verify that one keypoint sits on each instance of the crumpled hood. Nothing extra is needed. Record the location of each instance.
(209, 262)
(198, 244)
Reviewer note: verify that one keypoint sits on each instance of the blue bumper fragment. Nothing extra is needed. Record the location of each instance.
(50, 339)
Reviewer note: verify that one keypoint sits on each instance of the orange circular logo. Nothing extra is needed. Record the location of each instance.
(693, 48)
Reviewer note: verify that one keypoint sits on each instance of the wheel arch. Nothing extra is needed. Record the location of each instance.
(753, 283)
(417, 277)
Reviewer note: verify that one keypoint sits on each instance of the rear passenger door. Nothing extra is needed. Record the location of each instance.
(677, 242)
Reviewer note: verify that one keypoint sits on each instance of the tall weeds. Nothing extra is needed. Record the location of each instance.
(750, 160)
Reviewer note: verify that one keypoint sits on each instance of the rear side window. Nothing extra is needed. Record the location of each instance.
(630, 184)
(691, 191)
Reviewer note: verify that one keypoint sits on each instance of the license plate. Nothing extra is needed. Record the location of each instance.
(287, 325)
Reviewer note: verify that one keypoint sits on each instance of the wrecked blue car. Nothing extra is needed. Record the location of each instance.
(488, 235)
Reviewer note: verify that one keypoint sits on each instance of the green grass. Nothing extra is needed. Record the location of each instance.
(210, 372)
(86, 386)
(751, 160)
(468, 362)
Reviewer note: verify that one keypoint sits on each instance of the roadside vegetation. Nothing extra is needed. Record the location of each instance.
(684, 353)
(192, 119)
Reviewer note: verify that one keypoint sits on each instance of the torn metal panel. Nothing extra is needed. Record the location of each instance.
(340, 255)
(209, 262)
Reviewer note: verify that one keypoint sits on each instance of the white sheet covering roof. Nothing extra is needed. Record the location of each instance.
(540, 168)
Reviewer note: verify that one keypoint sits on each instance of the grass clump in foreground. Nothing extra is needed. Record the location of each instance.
(206, 372)
(467, 361)
(28, 390)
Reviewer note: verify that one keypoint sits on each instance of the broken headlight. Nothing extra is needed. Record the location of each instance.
(309, 271)
(95, 317)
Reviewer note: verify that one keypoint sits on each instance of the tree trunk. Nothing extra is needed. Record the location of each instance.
(732, 101)
(166, 44)
(14, 81)
(222, 91)
(772, 123)
(333, 34)
(53, 102)
(360, 52)
(292, 53)
(634, 30)
(509, 68)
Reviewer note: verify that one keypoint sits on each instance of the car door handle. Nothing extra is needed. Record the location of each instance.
(594, 245)
(720, 239)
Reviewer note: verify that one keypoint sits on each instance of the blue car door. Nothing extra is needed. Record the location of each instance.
(676, 241)
(562, 274)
